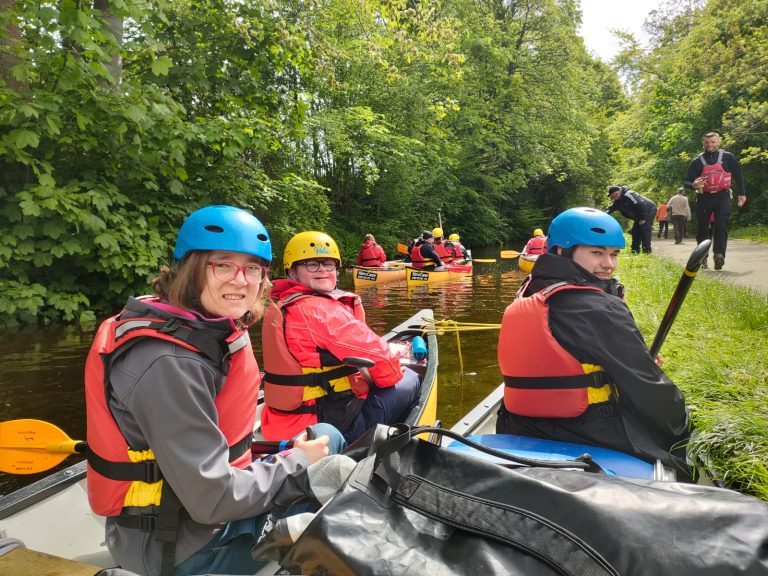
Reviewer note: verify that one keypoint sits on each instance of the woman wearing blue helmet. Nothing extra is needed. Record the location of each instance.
(575, 365)
(171, 392)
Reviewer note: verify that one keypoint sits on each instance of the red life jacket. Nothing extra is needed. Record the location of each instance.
(417, 260)
(370, 255)
(536, 245)
(715, 177)
(445, 255)
(117, 483)
(295, 389)
(541, 378)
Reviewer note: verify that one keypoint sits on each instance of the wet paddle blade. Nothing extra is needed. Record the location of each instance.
(30, 446)
(402, 249)
(509, 254)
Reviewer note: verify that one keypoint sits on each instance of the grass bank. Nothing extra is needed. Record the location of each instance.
(717, 353)
(756, 233)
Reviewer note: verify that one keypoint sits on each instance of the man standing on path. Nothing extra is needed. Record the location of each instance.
(679, 212)
(710, 174)
(638, 208)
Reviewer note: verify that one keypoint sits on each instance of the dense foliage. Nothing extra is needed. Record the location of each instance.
(117, 118)
(705, 70)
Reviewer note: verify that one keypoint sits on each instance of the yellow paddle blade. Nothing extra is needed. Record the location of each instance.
(402, 249)
(509, 254)
(30, 446)
(484, 260)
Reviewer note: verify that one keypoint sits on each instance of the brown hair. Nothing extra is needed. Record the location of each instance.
(711, 135)
(182, 282)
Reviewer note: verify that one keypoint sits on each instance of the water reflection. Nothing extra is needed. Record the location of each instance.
(41, 369)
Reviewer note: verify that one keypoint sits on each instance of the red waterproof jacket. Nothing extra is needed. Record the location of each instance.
(371, 254)
(319, 331)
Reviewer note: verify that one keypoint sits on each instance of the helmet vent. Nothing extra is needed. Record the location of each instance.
(598, 230)
(213, 228)
(262, 237)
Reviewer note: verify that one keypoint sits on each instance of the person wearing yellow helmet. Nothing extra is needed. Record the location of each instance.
(536, 245)
(456, 248)
(308, 330)
(441, 246)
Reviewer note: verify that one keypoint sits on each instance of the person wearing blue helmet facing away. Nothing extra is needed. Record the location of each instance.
(171, 391)
(575, 365)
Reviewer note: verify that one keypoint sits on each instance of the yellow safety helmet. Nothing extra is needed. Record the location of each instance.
(309, 245)
(538, 232)
(438, 232)
(453, 237)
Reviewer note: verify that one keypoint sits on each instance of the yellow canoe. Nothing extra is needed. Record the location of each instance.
(370, 275)
(525, 263)
(420, 276)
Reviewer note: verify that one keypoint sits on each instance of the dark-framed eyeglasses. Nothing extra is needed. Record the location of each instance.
(314, 265)
(227, 271)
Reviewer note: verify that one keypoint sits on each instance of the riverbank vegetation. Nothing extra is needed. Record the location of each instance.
(716, 352)
(118, 119)
(367, 116)
(703, 69)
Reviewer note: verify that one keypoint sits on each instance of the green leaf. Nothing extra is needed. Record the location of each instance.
(160, 66)
(46, 180)
(54, 125)
(23, 138)
(28, 111)
(135, 112)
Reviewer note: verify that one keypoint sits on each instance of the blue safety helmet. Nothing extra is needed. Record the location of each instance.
(223, 228)
(584, 226)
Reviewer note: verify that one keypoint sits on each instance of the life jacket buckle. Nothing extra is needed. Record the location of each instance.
(152, 472)
(170, 326)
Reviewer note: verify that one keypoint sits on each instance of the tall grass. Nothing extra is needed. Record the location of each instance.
(717, 354)
(756, 232)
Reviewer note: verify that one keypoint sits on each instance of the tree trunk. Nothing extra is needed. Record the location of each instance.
(8, 44)
(114, 25)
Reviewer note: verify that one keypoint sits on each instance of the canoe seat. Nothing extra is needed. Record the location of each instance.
(23, 562)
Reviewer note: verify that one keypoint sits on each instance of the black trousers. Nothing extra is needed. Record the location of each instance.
(718, 203)
(600, 425)
(664, 228)
(641, 234)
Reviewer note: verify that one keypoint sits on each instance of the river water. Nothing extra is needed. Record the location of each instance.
(41, 369)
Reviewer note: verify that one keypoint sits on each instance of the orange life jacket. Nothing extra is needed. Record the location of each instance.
(446, 255)
(715, 177)
(291, 387)
(119, 476)
(541, 378)
(417, 260)
(536, 245)
(369, 255)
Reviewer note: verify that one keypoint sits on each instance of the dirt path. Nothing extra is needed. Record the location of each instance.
(746, 263)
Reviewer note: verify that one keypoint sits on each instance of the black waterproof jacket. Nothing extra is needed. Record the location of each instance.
(633, 205)
(598, 328)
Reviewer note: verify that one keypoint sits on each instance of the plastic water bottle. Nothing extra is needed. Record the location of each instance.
(419, 348)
